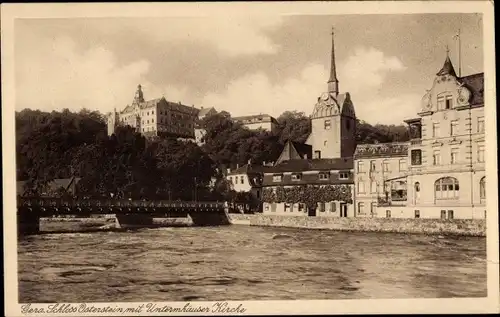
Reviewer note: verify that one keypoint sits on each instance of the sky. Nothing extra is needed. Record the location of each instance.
(242, 64)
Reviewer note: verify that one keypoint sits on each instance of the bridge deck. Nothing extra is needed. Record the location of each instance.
(60, 205)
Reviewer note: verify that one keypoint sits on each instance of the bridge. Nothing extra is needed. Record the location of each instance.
(129, 213)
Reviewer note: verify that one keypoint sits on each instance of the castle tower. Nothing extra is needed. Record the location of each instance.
(333, 121)
(113, 121)
(139, 96)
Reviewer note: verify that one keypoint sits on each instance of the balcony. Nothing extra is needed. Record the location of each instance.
(416, 141)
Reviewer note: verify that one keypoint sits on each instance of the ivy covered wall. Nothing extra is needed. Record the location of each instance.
(307, 194)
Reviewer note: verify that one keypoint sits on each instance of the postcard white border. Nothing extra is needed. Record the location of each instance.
(462, 305)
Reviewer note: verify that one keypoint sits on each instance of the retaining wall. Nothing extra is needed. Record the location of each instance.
(463, 227)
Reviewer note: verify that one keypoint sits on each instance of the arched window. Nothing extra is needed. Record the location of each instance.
(446, 188)
(417, 187)
(482, 188)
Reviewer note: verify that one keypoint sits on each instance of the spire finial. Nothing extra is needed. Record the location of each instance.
(447, 51)
(333, 83)
(139, 97)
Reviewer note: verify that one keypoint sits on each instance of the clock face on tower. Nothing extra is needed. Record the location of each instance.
(325, 96)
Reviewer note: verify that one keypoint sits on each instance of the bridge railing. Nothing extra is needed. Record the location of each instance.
(123, 203)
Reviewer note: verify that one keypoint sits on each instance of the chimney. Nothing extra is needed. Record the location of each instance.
(228, 170)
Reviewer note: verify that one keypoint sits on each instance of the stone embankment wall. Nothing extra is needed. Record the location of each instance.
(463, 227)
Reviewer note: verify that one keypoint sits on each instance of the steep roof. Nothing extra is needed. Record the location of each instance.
(204, 111)
(256, 118)
(312, 165)
(447, 68)
(381, 150)
(475, 83)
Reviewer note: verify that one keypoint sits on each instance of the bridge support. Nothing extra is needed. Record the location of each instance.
(134, 221)
(28, 223)
(215, 218)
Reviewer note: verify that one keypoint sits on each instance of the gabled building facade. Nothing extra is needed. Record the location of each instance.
(323, 164)
(446, 170)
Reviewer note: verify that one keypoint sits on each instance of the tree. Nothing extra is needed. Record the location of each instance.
(294, 126)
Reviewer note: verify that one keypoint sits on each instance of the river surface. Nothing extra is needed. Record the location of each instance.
(247, 263)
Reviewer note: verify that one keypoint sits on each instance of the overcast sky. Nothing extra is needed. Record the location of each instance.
(242, 65)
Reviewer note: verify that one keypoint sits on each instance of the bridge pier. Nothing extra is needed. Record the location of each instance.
(215, 218)
(28, 223)
(134, 221)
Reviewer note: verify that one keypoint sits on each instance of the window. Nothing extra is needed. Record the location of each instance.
(322, 207)
(152, 120)
(435, 130)
(454, 127)
(360, 167)
(344, 175)
(296, 177)
(388, 214)
(153, 112)
(480, 153)
(417, 213)
(417, 187)
(325, 143)
(277, 178)
(373, 187)
(416, 157)
(482, 188)
(317, 154)
(402, 165)
(373, 166)
(446, 188)
(301, 207)
(333, 207)
(454, 156)
(386, 166)
(480, 124)
(242, 180)
(361, 187)
(328, 124)
(361, 208)
(373, 208)
(450, 214)
(443, 214)
(324, 176)
(440, 103)
(236, 179)
(148, 121)
(449, 102)
(287, 207)
(436, 157)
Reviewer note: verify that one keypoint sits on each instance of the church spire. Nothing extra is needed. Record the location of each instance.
(448, 66)
(333, 83)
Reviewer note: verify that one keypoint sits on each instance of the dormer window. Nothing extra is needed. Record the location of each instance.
(344, 175)
(324, 176)
(277, 178)
(296, 177)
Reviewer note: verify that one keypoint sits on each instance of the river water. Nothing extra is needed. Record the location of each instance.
(247, 263)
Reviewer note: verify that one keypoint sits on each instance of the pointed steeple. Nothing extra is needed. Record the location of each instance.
(448, 66)
(333, 83)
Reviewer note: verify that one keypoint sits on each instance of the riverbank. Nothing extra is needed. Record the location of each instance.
(100, 223)
(458, 227)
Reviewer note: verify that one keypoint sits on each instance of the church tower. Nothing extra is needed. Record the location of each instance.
(333, 121)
